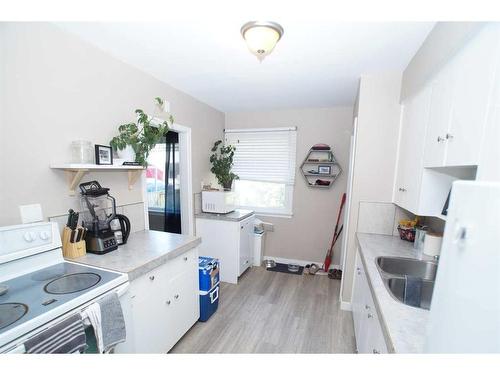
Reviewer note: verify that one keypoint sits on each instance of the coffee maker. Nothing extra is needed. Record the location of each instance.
(96, 203)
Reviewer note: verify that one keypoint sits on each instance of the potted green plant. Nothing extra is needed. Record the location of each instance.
(222, 162)
(136, 139)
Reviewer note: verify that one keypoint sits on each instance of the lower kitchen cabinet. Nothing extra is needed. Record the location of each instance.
(231, 242)
(161, 306)
(367, 328)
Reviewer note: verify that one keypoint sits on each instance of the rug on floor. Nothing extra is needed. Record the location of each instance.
(281, 267)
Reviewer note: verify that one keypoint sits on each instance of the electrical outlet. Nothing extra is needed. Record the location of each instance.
(31, 213)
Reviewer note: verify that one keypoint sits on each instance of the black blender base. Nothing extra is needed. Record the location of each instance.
(108, 250)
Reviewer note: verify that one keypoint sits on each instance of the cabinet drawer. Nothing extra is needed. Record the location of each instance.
(183, 263)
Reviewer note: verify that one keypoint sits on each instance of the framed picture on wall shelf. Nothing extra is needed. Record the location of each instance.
(324, 169)
(103, 155)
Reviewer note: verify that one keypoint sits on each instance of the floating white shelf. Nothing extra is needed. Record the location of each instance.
(75, 172)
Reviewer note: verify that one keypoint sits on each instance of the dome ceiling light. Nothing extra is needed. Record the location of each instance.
(261, 37)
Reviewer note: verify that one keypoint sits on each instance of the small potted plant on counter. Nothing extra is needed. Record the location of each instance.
(136, 139)
(222, 162)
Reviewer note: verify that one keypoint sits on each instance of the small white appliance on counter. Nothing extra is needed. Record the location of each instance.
(218, 202)
(465, 309)
(38, 288)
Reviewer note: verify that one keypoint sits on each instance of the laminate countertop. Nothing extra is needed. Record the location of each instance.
(404, 326)
(236, 215)
(143, 252)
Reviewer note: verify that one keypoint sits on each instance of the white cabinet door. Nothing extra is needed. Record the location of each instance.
(246, 244)
(150, 312)
(367, 329)
(473, 75)
(183, 302)
(410, 158)
(357, 301)
(439, 119)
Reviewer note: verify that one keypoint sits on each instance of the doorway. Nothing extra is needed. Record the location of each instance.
(163, 185)
(186, 179)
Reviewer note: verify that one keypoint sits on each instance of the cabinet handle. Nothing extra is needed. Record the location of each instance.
(449, 136)
(168, 302)
(440, 139)
(176, 296)
(402, 189)
(151, 278)
(370, 315)
(241, 227)
(185, 259)
(367, 307)
(375, 351)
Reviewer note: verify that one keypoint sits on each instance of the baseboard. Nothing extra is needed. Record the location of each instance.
(346, 306)
(299, 262)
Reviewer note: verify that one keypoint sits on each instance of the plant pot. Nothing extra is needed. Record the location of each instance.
(128, 153)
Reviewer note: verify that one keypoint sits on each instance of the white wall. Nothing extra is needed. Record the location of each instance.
(375, 158)
(55, 88)
(306, 236)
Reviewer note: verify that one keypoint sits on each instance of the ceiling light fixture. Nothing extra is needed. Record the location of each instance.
(261, 37)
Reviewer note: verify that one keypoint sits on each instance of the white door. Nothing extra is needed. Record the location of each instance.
(150, 312)
(358, 306)
(410, 159)
(465, 309)
(184, 305)
(246, 244)
(439, 119)
(473, 74)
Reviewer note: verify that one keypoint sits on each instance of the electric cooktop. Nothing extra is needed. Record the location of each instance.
(33, 294)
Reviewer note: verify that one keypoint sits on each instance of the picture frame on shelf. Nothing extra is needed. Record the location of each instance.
(103, 155)
(324, 169)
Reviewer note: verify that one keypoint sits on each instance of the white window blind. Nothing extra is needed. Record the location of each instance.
(266, 155)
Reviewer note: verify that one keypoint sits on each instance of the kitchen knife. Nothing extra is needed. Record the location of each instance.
(72, 236)
(79, 235)
(70, 217)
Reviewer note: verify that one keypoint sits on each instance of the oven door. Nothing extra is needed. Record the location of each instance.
(18, 345)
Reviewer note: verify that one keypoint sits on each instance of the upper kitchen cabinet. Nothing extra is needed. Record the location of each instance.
(414, 119)
(439, 119)
(461, 97)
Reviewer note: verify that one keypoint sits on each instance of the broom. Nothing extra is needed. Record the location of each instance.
(336, 234)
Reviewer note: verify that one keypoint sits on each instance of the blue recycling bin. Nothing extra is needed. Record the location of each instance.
(208, 270)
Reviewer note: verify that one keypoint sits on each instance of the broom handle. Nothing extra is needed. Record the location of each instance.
(338, 220)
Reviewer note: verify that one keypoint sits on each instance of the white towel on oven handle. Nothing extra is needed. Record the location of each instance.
(92, 315)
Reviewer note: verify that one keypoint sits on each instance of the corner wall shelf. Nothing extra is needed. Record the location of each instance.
(75, 172)
(315, 159)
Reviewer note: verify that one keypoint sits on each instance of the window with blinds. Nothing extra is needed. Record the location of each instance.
(265, 161)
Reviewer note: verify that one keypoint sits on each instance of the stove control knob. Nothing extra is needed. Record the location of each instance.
(27, 237)
(44, 235)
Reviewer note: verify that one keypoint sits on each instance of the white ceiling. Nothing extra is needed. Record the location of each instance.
(317, 63)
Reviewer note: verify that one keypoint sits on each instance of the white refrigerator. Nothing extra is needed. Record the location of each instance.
(465, 310)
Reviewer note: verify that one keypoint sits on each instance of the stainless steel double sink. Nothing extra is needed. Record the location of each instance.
(394, 270)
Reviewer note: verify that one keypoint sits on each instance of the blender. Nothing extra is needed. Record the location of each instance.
(99, 209)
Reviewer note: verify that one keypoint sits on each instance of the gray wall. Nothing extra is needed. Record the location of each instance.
(445, 39)
(307, 234)
(55, 88)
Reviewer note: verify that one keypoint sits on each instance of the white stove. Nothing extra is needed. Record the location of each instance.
(38, 287)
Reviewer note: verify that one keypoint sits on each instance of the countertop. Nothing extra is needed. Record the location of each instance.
(236, 215)
(404, 326)
(144, 251)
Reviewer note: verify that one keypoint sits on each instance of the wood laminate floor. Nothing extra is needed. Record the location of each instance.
(271, 312)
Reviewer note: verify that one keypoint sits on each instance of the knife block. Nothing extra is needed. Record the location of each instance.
(72, 250)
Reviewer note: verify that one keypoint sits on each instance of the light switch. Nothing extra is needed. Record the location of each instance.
(31, 213)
